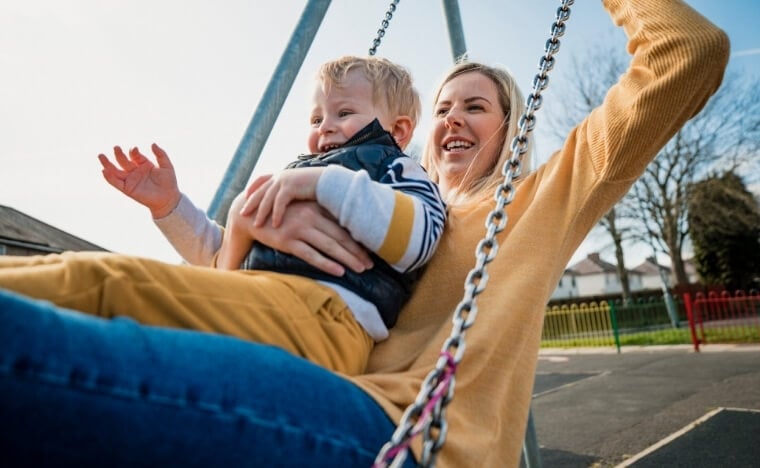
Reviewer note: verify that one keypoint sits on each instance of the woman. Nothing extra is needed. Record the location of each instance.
(187, 398)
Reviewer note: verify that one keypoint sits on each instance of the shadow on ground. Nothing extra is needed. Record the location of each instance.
(561, 458)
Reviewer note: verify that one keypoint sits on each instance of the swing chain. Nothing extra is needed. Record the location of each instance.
(426, 414)
(383, 26)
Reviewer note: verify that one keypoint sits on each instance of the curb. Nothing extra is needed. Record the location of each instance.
(705, 348)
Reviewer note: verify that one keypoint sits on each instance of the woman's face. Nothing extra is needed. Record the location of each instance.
(466, 129)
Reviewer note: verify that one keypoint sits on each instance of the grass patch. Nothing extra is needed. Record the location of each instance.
(669, 336)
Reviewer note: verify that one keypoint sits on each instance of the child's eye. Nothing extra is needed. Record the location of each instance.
(316, 120)
(344, 113)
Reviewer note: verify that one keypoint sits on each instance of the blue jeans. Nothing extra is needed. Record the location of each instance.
(81, 391)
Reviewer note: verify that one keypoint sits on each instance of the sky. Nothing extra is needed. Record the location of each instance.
(80, 76)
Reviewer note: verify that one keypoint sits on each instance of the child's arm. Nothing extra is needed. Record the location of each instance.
(195, 237)
(400, 217)
(151, 185)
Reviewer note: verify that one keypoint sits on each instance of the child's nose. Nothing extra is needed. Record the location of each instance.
(327, 126)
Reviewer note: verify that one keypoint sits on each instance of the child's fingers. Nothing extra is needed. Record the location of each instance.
(252, 202)
(122, 159)
(257, 182)
(265, 206)
(111, 173)
(106, 163)
(136, 156)
(114, 181)
(161, 157)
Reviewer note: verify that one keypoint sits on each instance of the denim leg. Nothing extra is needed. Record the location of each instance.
(77, 390)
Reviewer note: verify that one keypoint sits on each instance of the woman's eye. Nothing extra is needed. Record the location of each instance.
(474, 108)
(441, 112)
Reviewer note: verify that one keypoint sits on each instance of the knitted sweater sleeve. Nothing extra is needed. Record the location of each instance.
(677, 65)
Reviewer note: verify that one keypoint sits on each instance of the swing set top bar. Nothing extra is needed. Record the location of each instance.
(259, 128)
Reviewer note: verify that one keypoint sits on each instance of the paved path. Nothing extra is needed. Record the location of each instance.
(597, 408)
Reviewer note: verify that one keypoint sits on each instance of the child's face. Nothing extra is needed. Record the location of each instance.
(341, 111)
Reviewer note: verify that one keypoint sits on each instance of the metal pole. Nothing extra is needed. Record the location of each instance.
(456, 32)
(531, 453)
(262, 122)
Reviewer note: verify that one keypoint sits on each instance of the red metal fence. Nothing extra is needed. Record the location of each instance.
(723, 317)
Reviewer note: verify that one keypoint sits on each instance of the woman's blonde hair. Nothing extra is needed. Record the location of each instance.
(478, 187)
(392, 85)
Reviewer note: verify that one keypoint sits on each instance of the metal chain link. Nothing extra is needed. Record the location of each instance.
(426, 414)
(383, 26)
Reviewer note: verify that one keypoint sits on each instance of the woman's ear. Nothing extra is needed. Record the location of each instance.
(402, 131)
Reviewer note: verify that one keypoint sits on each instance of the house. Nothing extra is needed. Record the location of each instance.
(567, 286)
(649, 270)
(20, 234)
(596, 277)
(650, 273)
(593, 276)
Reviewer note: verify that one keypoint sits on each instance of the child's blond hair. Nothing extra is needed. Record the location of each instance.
(391, 83)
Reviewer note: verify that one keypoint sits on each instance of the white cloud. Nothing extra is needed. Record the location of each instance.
(745, 52)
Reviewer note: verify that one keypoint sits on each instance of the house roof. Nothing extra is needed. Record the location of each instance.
(22, 229)
(650, 266)
(593, 264)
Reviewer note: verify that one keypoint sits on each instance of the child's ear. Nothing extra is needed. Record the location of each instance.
(402, 130)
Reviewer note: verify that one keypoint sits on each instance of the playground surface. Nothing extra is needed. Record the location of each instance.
(656, 406)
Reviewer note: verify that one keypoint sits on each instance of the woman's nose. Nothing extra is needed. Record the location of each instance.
(453, 119)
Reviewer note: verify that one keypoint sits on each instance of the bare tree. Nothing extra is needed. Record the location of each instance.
(725, 135)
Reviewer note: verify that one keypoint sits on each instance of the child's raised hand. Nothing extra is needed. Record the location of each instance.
(154, 186)
(272, 194)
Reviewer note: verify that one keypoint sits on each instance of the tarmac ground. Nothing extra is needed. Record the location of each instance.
(647, 407)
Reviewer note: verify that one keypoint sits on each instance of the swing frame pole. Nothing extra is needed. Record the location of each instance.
(456, 31)
(252, 143)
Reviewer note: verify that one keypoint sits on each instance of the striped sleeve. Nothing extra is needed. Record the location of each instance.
(400, 217)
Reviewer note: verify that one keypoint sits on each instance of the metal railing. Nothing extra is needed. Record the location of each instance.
(705, 318)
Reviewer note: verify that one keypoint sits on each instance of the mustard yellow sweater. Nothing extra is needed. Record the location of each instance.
(678, 62)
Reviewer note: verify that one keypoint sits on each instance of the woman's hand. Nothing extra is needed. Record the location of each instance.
(151, 185)
(313, 235)
(237, 240)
